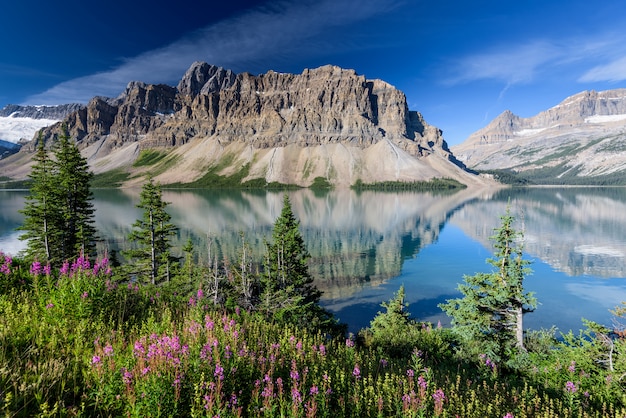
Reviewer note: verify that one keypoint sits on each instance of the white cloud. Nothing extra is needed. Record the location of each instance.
(612, 72)
(286, 29)
(511, 65)
(520, 63)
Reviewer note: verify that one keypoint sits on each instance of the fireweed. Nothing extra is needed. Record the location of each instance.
(78, 342)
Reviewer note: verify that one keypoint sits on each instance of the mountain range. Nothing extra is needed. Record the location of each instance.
(582, 140)
(326, 123)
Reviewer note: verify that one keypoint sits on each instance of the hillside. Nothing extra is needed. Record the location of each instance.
(327, 123)
(582, 140)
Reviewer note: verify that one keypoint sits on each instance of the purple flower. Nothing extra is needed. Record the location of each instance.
(383, 362)
(314, 390)
(108, 350)
(356, 372)
(35, 268)
(95, 360)
(127, 377)
(570, 387)
(47, 269)
(199, 294)
(219, 372)
(410, 373)
(50, 306)
(508, 415)
(65, 268)
(85, 295)
(349, 342)
(572, 367)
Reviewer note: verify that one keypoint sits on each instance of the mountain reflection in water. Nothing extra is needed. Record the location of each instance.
(365, 245)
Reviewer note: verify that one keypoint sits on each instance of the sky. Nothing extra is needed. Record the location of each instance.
(460, 63)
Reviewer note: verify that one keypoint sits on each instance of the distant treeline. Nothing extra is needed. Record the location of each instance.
(434, 184)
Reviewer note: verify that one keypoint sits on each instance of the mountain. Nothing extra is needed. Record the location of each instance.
(325, 123)
(582, 140)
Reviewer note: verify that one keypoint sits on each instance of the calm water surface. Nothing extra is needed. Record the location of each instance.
(364, 246)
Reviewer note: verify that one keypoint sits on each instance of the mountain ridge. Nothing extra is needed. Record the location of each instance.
(580, 140)
(326, 122)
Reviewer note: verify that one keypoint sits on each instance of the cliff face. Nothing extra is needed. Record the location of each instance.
(326, 120)
(585, 136)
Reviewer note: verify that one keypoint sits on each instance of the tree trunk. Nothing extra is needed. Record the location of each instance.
(519, 328)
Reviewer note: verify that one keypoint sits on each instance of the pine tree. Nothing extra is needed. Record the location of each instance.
(489, 316)
(152, 255)
(59, 212)
(288, 292)
(41, 210)
(78, 234)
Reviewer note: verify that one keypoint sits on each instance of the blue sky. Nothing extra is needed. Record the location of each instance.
(460, 63)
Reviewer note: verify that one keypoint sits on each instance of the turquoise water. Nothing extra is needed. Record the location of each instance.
(365, 245)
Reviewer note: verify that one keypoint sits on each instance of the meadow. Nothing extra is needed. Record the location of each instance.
(83, 340)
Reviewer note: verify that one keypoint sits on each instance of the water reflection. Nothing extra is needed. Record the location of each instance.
(579, 231)
(364, 245)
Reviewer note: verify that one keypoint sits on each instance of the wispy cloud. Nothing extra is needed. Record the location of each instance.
(520, 63)
(613, 71)
(282, 30)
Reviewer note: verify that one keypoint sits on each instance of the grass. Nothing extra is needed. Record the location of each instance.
(80, 341)
(110, 179)
(149, 157)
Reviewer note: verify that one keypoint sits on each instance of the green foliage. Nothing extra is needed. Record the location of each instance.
(77, 342)
(436, 184)
(59, 212)
(395, 334)
(488, 318)
(151, 255)
(149, 157)
(110, 179)
(288, 294)
(321, 183)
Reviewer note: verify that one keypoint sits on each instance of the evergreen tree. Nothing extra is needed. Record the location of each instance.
(489, 316)
(288, 292)
(41, 210)
(151, 234)
(59, 211)
(72, 179)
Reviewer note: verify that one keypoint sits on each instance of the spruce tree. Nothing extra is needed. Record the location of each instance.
(41, 210)
(73, 177)
(151, 234)
(288, 292)
(59, 212)
(489, 316)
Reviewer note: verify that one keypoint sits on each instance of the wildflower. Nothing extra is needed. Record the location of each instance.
(219, 372)
(322, 350)
(145, 370)
(410, 373)
(570, 387)
(349, 342)
(47, 269)
(383, 362)
(85, 295)
(192, 301)
(508, 415)
(108, 350)
(314, 390)
(35, 268)
(50, 306)
(95, 360)
(356, 372)
(127, 376)
(65, 268)
(572, 367)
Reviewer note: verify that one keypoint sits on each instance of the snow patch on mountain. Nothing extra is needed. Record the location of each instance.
(13, 129)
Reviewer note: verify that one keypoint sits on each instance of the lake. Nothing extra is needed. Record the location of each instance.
(364, 246)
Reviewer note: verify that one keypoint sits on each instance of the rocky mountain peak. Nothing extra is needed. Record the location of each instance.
(584, 134)
(325, 122)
